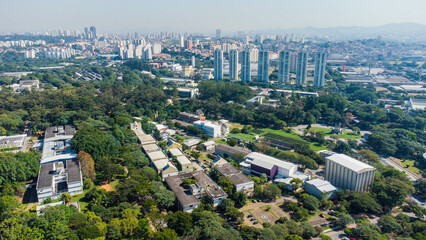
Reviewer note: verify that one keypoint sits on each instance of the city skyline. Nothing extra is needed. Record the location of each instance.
(195, 16)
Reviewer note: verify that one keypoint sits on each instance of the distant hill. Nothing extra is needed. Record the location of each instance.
(392, 31)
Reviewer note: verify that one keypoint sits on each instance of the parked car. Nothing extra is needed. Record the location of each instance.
(322, 215)
(253, 219)
(254, 200)
(255, 222)
(249, 216)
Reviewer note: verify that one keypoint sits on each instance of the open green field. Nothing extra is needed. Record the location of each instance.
(313, 145)
(283, 135)
(345, 135)
(290, 134)
(242, 136)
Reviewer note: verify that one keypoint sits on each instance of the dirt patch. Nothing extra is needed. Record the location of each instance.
(107, 187)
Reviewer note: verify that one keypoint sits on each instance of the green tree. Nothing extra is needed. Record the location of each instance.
(310, 202)
(240, 198)
(8, 205)
(232, 142)
(180, 221)
(388, 224)
(95, 142)
(165, 234)
(343, 219)
(165, 198)
(77, 220)
(264, 178)
(363, 202)
(87, 165)
(271, 192)
(226, 184)
(113, 232)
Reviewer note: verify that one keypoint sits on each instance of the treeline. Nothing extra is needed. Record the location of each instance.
(224, 91)
(15, 169)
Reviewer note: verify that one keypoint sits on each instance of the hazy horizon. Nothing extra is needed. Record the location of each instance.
(196, 16)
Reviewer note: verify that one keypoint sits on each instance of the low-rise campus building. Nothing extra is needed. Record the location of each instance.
(226, 151)
(188, 198)
(320, 188)
(59, 169)
(240, 181)
(257, 164)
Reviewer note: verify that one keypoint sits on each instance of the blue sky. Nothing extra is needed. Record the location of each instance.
(202, 15)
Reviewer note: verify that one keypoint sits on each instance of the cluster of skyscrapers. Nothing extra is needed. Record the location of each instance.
(90, 33)
(285, 59)
(139, 49)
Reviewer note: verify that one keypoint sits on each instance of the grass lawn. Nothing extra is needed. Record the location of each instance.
(283, 133)
(220, 141)
(320, 129)
(317, 147)
(312, 145)
(410, 165)
(78, 198)
(349, 135)
(345, 135)
(242, 136)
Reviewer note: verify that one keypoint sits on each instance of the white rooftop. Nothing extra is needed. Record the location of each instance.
(57, 148)
(176, 152)
(156, 155)
(322, 185)
(349, 162)
(150, 147)
(268, 162)
(160, 164)
(183, 160)
(209, 143)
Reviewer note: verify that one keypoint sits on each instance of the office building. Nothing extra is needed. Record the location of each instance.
(233, 64)
(212, 129)
(284, 67)
(245, 66)
(188, 44)
(93, 32)
(263, 66)
(348, 173)
(181, 42)
(254, 55)
(147, 52)
(193, 61)
(218, 64)
(319, 74)
(259, 39)
(293, 62)
(301, 68)
(188, 197)
(156, 48)
(59, 168)
(86, 32)
(218, 34)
